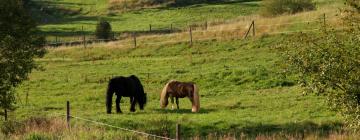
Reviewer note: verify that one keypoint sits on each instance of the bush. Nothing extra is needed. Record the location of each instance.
(103, 30)
(328, 64)
(279, 7)
(10, 127)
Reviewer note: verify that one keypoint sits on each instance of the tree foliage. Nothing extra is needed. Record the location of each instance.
(279, 7)
(19, 44)
(328, 63)
(103, 30)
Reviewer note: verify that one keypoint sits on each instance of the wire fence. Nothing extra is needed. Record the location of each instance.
(198, 33)
(68, 117)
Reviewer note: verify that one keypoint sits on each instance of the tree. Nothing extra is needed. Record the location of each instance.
(328, 63)
(19, 44)
(103, 30)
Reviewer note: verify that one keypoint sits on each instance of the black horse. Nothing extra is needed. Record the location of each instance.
(125, 87)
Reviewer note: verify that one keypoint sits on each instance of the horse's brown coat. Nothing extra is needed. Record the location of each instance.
(180, 89)
(176, 89)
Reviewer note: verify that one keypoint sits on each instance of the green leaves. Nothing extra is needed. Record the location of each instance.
(328, 64)
(19, 44)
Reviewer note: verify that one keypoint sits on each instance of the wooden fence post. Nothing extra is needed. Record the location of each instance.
(84, 39)
(5, 114)
(171, 28)
(68, 113)
(150, 27)
(27, 95)
(177, 132)
(251, 26)
(56, 41)
(191, 38)
(324, 20)
(134, 36)
(206, 25)
(253, 23)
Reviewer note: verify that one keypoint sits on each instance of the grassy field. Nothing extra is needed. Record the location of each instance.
(139, 20)
(244, 93)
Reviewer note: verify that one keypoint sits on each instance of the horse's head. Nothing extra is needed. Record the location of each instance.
(142, 101)
(164, 102)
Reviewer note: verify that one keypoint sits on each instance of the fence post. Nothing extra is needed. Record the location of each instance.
(134, 36)
(178, 132)
(150, 27)
(206, 25)
(251, 26)
(56, 41)
(171, 27)
(27, 95)
(84, 39)
(191, 38)
(68, 113)
(5, 114)
(253, 23)
(324, 19)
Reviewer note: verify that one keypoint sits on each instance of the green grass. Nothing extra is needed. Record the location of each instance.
(241, 89)
(139, 20)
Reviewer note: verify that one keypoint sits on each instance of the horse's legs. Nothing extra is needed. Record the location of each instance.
(118, 98)
(177, 102)
(172, 102)
(133, 103)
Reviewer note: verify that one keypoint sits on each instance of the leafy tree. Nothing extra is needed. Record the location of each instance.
(19, 44)
(328, 63)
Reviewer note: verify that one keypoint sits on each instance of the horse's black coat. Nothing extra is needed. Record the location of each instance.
(125, 87)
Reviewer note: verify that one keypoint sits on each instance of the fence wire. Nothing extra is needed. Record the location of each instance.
(113, 126)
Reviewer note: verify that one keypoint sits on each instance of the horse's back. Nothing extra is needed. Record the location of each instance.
(181, 89)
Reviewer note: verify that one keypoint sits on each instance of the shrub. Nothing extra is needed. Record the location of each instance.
(103, 30)
(328, 64)
(10, 127)
(279, 7)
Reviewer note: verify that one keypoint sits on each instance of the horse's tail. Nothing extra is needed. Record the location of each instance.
(196, 100)
(163, 96)
(109, 95)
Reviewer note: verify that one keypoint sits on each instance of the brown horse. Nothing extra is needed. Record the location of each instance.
(180, 90)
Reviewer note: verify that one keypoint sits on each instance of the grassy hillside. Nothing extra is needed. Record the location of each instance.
(241, 89)
(139, 20)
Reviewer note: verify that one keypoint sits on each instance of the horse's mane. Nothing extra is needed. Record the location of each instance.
(196, 99)
(134, 86)
(163, 96)
(139, 89)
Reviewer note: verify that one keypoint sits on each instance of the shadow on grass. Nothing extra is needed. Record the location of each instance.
(213, 2)
(184, 111)
(289, 130)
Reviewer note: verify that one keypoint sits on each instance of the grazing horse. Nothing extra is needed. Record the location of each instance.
(180, 90)
(125, 87)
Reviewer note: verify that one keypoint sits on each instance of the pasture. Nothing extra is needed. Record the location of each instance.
(243, 90)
